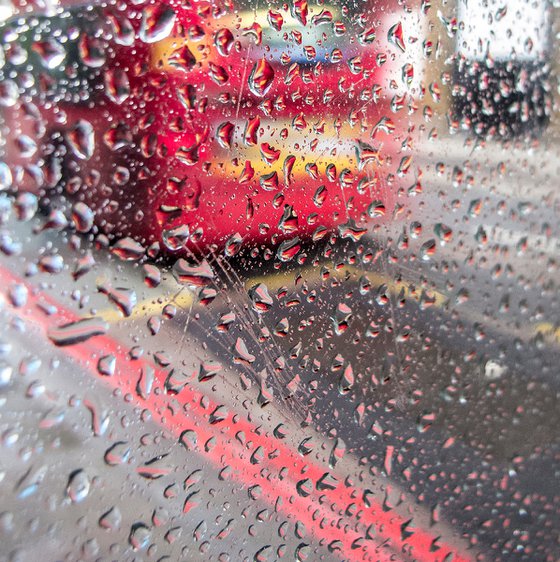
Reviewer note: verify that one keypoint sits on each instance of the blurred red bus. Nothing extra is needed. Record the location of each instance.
(202, 125)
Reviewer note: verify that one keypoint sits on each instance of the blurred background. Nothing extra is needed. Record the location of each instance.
(279, 280)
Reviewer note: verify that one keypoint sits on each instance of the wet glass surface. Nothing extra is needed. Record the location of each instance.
(279, 281)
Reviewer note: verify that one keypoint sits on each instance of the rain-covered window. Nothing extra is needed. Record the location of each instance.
(279, 280)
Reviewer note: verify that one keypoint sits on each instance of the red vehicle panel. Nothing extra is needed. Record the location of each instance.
(197, 132)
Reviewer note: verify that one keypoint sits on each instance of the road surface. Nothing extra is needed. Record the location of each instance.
(377, 399)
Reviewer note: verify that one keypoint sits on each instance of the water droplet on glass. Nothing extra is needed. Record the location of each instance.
(78, 486)
(9, 94)
(183, 59)
(91, 51)
(224, 41)
(111, 520)
(233, 245)
(6, 371)
(106, 365)
(176, 238)
(288, 249)
(30, 481)
(299, 10)
(193, 275)
(128, 249)
(52, 418)
(145, 382)
(117, 86)
(51, 52)
(261, 78)
(5, 172)
(157, 22)
(18, 295)
(241, 353)
(139, 536)
(289, 220)
(26, 205)
(82, 216)
(396, 36)
(208, 370)
(262, 301)
(189, 439)
(428, 249)
(81, 139)
(119, 453)
(77, 332)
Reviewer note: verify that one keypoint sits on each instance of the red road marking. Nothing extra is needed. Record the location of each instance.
(322, 512)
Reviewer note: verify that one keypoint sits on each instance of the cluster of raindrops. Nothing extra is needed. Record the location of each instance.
(271, 286)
